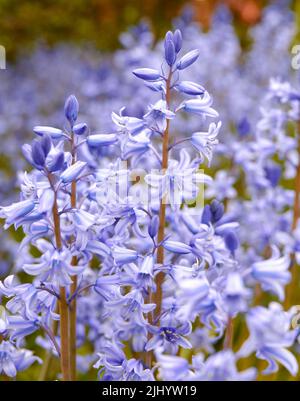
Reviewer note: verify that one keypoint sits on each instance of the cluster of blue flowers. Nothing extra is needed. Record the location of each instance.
(130, 246)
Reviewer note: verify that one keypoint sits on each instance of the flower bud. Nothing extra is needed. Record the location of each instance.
(101, 140)
(153, 227)
(170, 54)
(147, 74)
(71, 109)
(73, 172)
(38, 154)
(188, 59)
(80, 129)
(177, 39)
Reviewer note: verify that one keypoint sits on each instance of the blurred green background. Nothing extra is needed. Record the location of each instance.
(27, 22)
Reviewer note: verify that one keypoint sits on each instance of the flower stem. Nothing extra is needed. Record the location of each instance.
(73, 303)
(63, 306)
(157, 298)
(293, 288)
(228, 341)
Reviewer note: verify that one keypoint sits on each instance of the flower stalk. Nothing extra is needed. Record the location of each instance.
(293, 287)
(157, 298)
(63, 305)
(73, 305)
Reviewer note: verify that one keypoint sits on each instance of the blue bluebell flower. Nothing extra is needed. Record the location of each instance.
(13, 360)
(174, 336)
(270, 335)
(71, 109)
(147, 74)
(73, 172)
(273, 273)
(188, 59)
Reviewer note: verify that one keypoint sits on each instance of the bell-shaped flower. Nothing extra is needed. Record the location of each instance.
(54, 266)
(205, 142)
(273, 274)
(172, 367)
(83, 220)
(221, 366)
(124, 255)
(21, 328)
(200, 105)
(157, 116)
(13, 360)
(55, 160)
(179, 183)
(270, 335)
(73, 172)
(235, 294)
(173, 336)
(16, 211)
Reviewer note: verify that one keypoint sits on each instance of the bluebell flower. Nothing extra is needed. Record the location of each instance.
(53, 266)
(179, 183)
(170, 53)
(133, 125)
(16, 210)
(13, 360)
(55, 160)
(38, 154)
(273, 173)
(187, 60)
(101, 140)
(221, 366)
(205, 142)
(73, 172)
(273, 273)
(200, 105)
(231, 241)
(157, 116)
(177, 39)
(71, 109)
(243, 127)
(21, 328)
(190, 88)
(147, 74)
(169, 336)
(270, 335)
(115, 366)
(172, 367)
(54, 133)
(80, 129)
(124, 255)
(236, 295)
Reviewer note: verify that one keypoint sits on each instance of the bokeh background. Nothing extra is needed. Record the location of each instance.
(24, 24)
